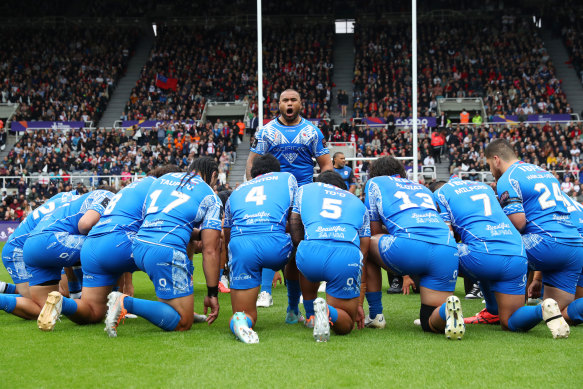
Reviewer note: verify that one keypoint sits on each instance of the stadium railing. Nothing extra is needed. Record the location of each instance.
(89, 180)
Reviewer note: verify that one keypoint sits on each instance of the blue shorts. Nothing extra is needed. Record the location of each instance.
(169, 269)
(580, 283)
(249, 254)
(560, 263)
(337, 263)
(105, 258)
(14, 264)
(47, 253)
(435, 264)
(504, 273)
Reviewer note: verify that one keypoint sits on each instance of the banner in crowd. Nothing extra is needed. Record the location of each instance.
(154, 123)
(23, 125)
(428, 121)
(6, 229)
(166, 82)
(559, 117)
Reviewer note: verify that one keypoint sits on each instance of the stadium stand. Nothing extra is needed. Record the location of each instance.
(63, 74)
(505, 63)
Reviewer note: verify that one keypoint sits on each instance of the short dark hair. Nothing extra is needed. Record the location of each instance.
(224, 196)
(502, 148)
(290, 90)
(436, 185)
(387, 166)
(331, 177)
(165, 169)
(335, 155)
(263, 164)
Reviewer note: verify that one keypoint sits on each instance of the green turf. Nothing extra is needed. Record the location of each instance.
(287, 356)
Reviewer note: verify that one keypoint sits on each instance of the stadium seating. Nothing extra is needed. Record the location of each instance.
(505, 63)
(65, 73)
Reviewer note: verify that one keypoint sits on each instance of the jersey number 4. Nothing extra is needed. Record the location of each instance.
(256, 195)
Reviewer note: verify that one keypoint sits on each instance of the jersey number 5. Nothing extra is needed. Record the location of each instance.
(331, 208)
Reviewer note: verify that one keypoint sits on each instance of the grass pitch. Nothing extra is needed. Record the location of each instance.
(287, 356)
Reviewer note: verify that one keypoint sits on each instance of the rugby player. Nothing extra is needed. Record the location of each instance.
(176, 203)
(294, 141)
(105, 256)
(255, 223)
(330, 226)
(339, 161)
(491, 251)
(12, 259)
(418, 243)
(532, 199)
(56, 242)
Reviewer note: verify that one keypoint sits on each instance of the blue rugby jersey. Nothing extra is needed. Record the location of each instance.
(526, 188)
(261, 205)
(407, 209)
(347, 176)
(125, 210)
(475, 214)
(330, 213)
(66, 218)
(293, 146)
(172, 210)
(18, 237)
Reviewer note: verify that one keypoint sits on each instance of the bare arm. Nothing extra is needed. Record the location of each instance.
(325, 162)
(296, 228)
(376, 228)
(352, 189)
(211, 240)
(250, 159)
(88, 220)
(518, 220)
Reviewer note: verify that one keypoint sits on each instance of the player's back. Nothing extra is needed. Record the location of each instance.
(293, 146)
(125, 210)
(330, 213)
(473, 210)
(261, 204)
(20, 234)
(406, 209)
(66, 218)
(175, 204)
(543, 202)
(576, 210)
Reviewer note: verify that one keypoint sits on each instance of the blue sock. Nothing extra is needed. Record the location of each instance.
(8, 302)
(221, 272)
(76, 286)
(267, 280)
(442, 312)
(490, 297)
(232, 323)
(69, 306)
(525, 318)
(293, 295)
(156, 312)
(375, 303)
(9, 288)
(332, 314)
(309, 307)
(575, 311)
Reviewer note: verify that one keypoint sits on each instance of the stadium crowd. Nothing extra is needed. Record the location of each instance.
(505, 63)
(45, 154)
(65, 74)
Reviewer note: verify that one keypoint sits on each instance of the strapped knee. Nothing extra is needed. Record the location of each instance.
(424, 315)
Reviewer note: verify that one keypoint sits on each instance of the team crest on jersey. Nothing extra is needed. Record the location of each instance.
(290, 157)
